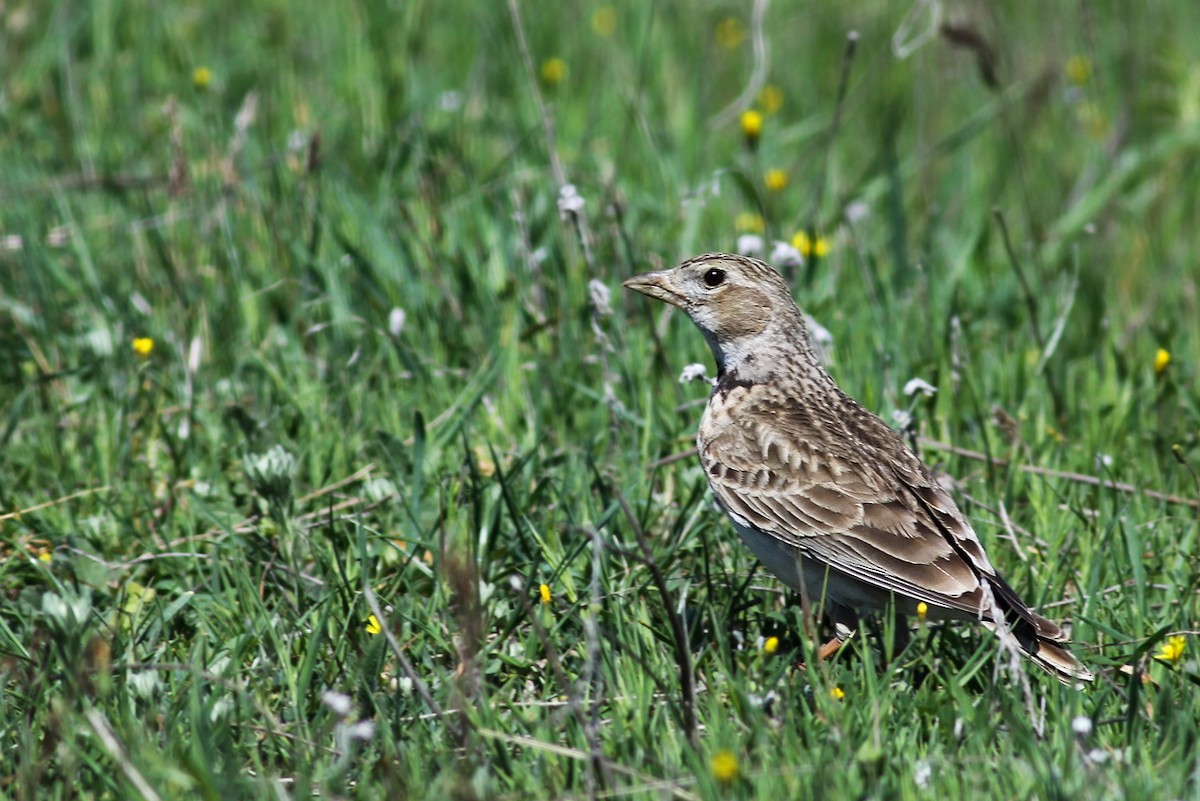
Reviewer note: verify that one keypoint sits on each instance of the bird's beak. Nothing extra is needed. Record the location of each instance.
(658, 285)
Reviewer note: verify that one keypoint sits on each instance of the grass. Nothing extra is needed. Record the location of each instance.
(384, 374)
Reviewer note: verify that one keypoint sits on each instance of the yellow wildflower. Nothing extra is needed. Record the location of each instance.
(373, 625)
(836, 693)
(770, 645)
(752, 123)
(1079, 70)
(45, 556)
(922, 611)
(604, 20)
(770, 98)
(1172, 650)
(750, 222)
(775, 179)
(724, 766)
(1162, 358)
(544, 590)
(730, 33)
(202, 77)
(808, 246)
(142, 346)
(554, 70)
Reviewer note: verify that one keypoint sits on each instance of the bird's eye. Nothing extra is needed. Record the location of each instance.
(714, 278)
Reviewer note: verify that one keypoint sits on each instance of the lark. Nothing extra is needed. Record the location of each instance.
(824, 493)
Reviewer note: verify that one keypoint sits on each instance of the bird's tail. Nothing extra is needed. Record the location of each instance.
(1044, 647)
(1040, 639)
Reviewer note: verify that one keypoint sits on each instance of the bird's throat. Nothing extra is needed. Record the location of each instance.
(746, 362)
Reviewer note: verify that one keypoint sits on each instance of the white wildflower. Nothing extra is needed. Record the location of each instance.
(396, 320)
(822, 340)
(916, 385)
(817, 332)
(902, 418)
(784, 255)
(362, 730)
(1103, 461)
(750, 245)
(58, 236)
(570, 202)
(857, 211)
(100, 340)
(922, 773)
(339, 703)
(601, 297)
(1081, 725)
(694, 372)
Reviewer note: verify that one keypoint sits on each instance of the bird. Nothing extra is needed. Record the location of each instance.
(827, 496)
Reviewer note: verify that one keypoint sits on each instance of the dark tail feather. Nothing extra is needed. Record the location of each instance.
(1041, 639)
(1058, 662)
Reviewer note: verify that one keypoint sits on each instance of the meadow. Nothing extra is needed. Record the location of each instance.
(334, 461)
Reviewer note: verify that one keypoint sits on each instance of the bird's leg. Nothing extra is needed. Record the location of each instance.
(845, 622)
(829, 649)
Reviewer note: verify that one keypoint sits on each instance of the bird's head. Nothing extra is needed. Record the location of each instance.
(741, 305)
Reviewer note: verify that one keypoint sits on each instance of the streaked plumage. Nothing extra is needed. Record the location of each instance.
(823, 492)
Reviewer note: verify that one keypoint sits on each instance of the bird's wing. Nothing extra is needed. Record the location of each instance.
(856, 500)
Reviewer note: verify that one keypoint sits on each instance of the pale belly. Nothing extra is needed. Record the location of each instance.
(822, 583)
(808, 576)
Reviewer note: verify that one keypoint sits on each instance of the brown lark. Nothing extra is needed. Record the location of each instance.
(824, 493)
